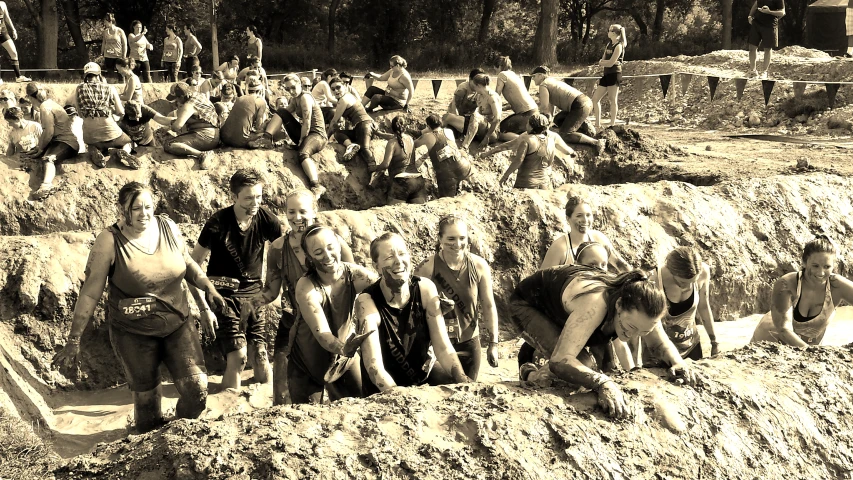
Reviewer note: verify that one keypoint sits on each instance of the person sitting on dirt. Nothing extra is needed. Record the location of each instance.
(212, 87)
(464, 283)
(234, 239)
(685, 281)
(230, 69)
(247, 118)
(357, 140)
(407, 183)
(324, 96)
(254, 69)
(30, 112)
(57, 142)
(511, 86)
(564, 309)
(580, 217)
(803, 303)
(24, 134)
(132, 85)
(465, 98)
(96, 103)
(196, 79)
(173, 52)
(8, 36)
(451, 167)
(403, 314)
(113, 44)
(763, 32)
(398, 92)
(574, 107)
(285, 265)
(324, 332)
(197, 117)
(611, 60)
(138, 47)
(482, 124)
(136, 123)
(225, 102)
(303, 122)
(348, 87)
(534, 153)
(143, 260)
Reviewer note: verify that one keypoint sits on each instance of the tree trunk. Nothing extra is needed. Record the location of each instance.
(657, 28)
(71, 8)
(641, 23)
(488, 9)
(727, 24)
(48, 34)
(333, 21)
(214, 35)
(545, 41)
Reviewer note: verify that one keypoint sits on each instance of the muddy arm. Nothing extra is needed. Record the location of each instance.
(371, 351)
(311, 308)
(704, 310)
(97, 268)
(784, 290)
(438, 333)
(587, 314)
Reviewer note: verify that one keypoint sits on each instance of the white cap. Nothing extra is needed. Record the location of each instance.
(92, 68)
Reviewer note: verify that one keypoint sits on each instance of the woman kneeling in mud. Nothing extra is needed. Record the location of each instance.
(563, 309)
(804, 302)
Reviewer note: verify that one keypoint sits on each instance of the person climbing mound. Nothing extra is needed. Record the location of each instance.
(451, 167)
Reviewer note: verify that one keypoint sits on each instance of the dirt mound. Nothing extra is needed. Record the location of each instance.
(762, 412)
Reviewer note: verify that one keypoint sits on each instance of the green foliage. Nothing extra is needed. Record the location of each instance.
(23, 455)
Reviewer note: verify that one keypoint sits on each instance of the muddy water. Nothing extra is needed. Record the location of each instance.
(83, 419)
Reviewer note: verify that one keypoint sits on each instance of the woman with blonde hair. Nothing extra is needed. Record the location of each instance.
(398, 92)
(614, 55)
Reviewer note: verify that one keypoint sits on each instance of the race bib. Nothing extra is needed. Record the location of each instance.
(454, 330)
(137, 308)
(225, 283)
(445, 152)
(28, 142)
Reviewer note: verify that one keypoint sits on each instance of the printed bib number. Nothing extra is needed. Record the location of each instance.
(225, 283)
(136, 308)
(454, 330)
(445, 153)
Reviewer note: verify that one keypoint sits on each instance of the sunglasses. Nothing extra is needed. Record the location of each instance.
(291, 88)
(337, 87)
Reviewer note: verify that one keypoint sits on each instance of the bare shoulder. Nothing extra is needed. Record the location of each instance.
(481, 264)
(426, 268)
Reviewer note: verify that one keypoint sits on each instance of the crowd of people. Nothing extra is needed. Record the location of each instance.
(350, 330)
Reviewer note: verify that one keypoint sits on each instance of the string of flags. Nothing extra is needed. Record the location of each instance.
(685, 80)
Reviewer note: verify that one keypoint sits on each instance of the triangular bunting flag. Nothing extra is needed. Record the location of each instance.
(569, 81)
(664, 83)
(713, 82)
(436, 86)
(831, 90)
(685, 82)
(460, 81)
(527, 82)
(415, 82)
(740, 84)
(799, 89)
(767, 87)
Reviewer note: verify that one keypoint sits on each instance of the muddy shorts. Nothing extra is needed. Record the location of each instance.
(482, 127)
(570, 120)
(517, 122)
(449, 174)
(141, 355)
(408, 189)
(230, 335)
(387, 102)
(470, 354)
(535, 327)
(764, 37)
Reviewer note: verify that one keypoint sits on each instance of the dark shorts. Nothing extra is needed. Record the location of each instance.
(303, 387)
(408, 189)
(449, 174)
(110, 64)
(569, 121)
(4, 37)
(764, 37)
(534, 326)
(231, 335)
(60, 150)
(470, 354)
(611, 79)
(141, 355)
(517, 122)
(382, 100)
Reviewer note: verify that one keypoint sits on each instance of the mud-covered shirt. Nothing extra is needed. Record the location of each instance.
(139, 130)
(238, 254)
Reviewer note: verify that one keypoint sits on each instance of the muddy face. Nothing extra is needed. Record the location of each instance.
(139, 213)
(300, 213)
(394, 263)
(633, 323)
(582, 218)
(248, 200)
(594, 256)
(819, 267)
(325, 251)
(454, 240)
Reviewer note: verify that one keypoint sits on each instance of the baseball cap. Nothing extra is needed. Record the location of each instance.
(180, 89)
(541, 69)
(91, 68)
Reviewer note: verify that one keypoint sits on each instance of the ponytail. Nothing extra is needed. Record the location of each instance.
(398, 126)
(633, 288)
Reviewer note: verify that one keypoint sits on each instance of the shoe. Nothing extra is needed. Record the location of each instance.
(752, 74)
(205, 160)
(97, 158)
(128, 159)
(352, 149)
(525, 370)
(318, 191)
(44, 191)
(23, 79)
(847, 55)
(763, 75)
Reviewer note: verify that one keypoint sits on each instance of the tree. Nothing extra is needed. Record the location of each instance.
(46, 19)
(488, 9)
(545, 41)
(727, 24)
(333, 20)
(71, 9)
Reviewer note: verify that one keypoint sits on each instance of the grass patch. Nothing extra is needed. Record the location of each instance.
(807, 104)
(23, 455)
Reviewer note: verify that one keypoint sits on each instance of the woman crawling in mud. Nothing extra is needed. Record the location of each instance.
(143, 259)
(561, 310)
(403, 313)
(803, 302)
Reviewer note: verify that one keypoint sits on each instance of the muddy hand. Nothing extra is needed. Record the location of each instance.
(68, 360)
(683, 374)
(612, 400)
(354, 342)
(492, 355)
(248, 309)
(446, 303)
(217, 299)
(209, 324)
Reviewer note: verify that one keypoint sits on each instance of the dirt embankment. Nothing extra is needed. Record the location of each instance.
(762, 412)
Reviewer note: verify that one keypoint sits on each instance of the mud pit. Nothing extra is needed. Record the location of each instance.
(743, 204)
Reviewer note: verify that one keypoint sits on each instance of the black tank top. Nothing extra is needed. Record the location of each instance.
(403, 336)
(676, 309)
(544, 291)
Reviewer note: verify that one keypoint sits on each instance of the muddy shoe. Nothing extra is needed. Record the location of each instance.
(318, 191)
(128, 159)
(97, 158)
(525, 370)
(205, 160)
(44, 191)
(352, 149)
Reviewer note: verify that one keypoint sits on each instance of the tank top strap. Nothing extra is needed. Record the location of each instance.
(473, 274)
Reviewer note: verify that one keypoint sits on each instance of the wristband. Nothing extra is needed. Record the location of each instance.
(73, 340)
(599, 379)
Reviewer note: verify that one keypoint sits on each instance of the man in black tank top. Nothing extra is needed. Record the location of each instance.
(234, 238)
(405, 312)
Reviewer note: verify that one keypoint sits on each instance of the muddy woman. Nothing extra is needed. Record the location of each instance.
(803, 302)
(562, 310)
(143, 260)
(464, 282)
(285, 266)
(404, 313)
